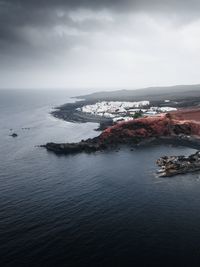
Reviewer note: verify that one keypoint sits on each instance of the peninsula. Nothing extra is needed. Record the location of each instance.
(136, 118)
(182, 126)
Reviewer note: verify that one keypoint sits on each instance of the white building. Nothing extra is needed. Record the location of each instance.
(122, 110)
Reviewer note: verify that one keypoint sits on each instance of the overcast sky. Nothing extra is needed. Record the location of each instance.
(107, 44)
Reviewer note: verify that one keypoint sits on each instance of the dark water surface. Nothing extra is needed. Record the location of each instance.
(102, 209)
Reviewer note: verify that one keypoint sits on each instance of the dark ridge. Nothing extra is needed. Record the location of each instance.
(150, 93)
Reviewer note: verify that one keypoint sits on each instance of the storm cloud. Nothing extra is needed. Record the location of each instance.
(98, 44)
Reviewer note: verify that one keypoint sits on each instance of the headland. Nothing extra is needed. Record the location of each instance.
(165, 118)
(175, 127)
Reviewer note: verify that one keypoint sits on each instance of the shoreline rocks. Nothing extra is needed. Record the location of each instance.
(174, 165)
(87, 146)
(13, 135)
(135, 132)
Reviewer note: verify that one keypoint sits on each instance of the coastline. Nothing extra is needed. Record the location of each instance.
(69, 112)
(164, 128)
(176, 128)
(91, 145)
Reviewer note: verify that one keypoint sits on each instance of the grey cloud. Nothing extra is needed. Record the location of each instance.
(108, 4)
(17, 14)
(44, 31)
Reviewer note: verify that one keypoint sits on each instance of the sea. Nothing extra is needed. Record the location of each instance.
(101, 209)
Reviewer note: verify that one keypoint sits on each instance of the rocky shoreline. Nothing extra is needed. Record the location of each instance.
(92, 145)
(174, 165)
(69, 112)
(162, 128)
(179, 99)
(171, 128)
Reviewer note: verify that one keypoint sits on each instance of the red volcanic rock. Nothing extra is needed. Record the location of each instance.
(192, 114)
(142, 128)
(171, 125)
(158, 126)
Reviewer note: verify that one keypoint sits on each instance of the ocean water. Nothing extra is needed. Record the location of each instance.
(101, 209)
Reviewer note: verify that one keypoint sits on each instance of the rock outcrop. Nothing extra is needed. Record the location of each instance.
(14, 135)
(174, 165)
(89, 145)
(132, 132)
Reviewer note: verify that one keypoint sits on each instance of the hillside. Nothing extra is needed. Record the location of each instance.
(151, 93)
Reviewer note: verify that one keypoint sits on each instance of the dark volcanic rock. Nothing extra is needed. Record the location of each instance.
(104, 125)
(174, 165)
(14, 135)
(132, 132)
(90, 145)
(70, 112)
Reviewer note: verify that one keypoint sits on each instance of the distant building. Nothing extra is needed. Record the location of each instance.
(123, 110)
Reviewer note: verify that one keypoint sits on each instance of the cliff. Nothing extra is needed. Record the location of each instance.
(134, 132)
